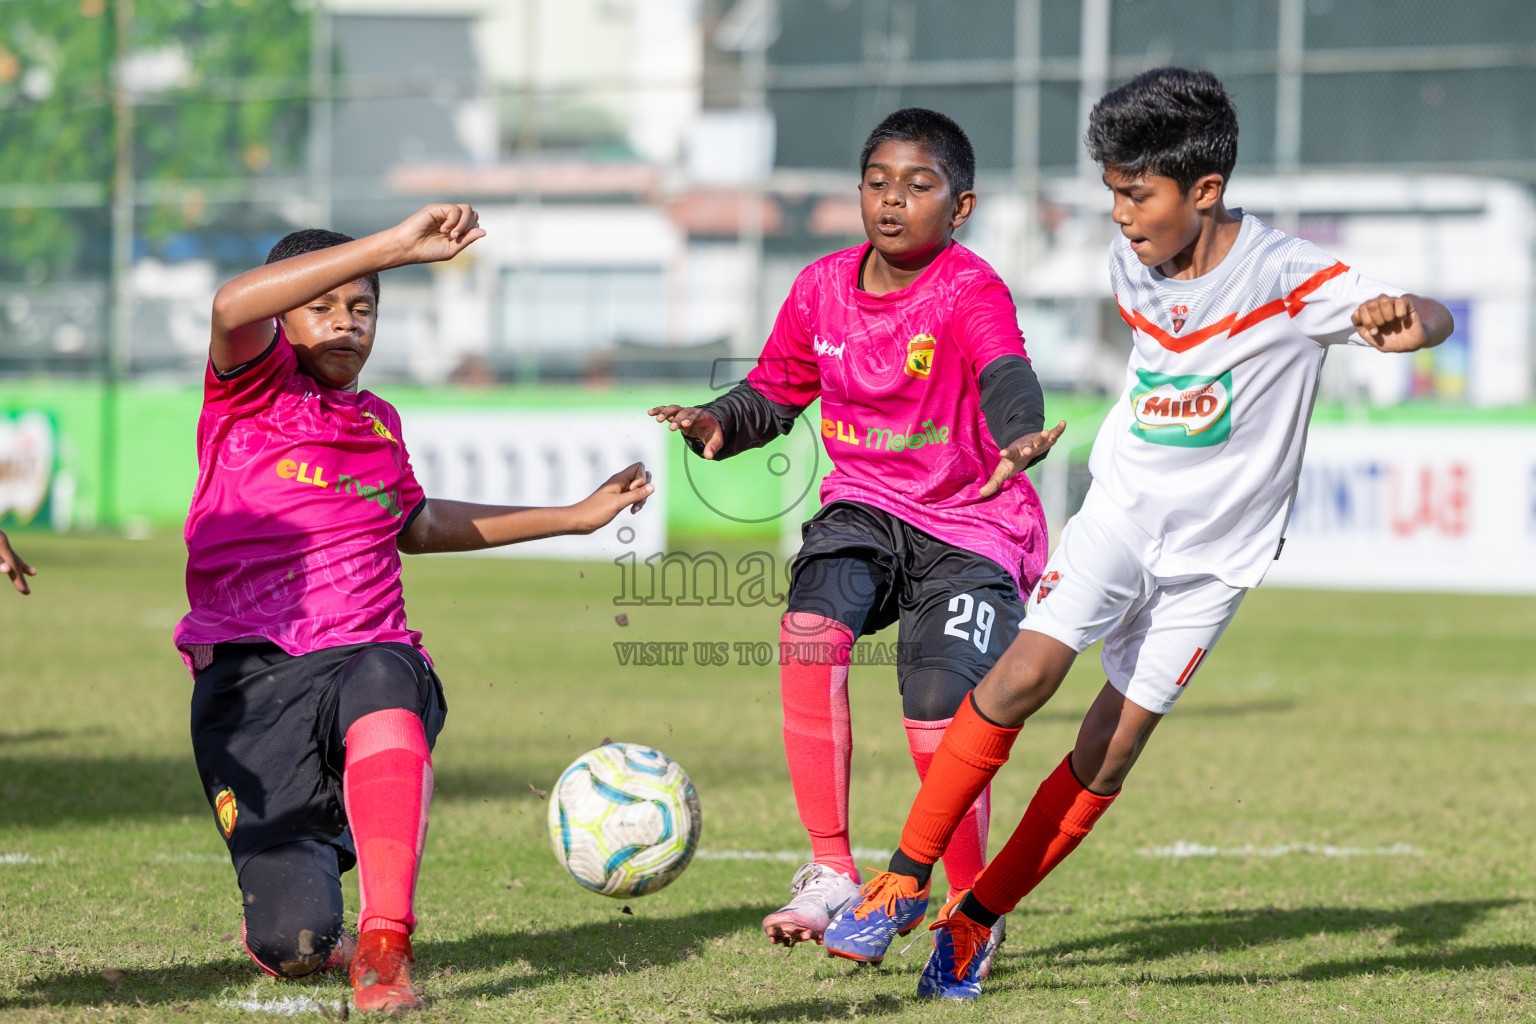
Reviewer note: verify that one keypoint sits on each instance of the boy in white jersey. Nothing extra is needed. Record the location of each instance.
(1194, 473)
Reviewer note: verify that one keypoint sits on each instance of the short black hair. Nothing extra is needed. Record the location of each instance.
(297, 243)
(934, 132)
(1171, 122)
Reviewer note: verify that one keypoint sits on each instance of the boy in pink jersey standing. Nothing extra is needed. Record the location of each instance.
(929, 409)
(1194, 475)
(314, 706)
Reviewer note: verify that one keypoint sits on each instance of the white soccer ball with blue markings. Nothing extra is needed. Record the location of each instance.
(624, 820)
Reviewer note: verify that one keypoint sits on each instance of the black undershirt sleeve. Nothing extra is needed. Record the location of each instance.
(1011, 400)
(748, 419)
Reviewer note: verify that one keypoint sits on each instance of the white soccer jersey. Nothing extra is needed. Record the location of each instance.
(1204, 446)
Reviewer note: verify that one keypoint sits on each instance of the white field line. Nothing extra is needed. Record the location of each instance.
(787, 856)
(283, 1006)
(1182, 849)
(17, 858)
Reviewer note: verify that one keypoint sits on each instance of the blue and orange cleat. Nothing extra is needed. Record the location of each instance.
(960, 948)
(888, 907)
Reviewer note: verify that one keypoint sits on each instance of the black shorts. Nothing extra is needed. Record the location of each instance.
(868, 569)
(266, 739)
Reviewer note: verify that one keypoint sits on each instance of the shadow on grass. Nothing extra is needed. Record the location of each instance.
(818, 1009)
(627, 945)
(1427, 926)
(624, 945)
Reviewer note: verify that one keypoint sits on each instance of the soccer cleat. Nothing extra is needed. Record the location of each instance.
(959, 947)
(381, 973)
(341, 956)
(999, 936)
(821, 893)
(889, 907)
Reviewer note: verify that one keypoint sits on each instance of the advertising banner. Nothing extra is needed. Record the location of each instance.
(547, 458)
(28, 450)
(1414, 508)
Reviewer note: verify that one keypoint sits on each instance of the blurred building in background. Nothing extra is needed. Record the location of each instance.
(654, 172)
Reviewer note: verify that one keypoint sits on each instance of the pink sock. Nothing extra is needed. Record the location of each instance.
(818, 733)
(387, 785)
(967, 851)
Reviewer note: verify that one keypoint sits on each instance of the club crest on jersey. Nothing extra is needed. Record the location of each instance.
(224, 807)
(1180, 316)
(1183, 411)
(1048, 583)
(920, 356)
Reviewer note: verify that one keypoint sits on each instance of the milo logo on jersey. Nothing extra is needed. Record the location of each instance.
(1185, 411)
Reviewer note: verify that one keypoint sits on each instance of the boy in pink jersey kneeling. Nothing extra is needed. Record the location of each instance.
(314, 706)
(929, 409)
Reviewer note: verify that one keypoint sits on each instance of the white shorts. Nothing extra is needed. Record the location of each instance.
(1157, 631)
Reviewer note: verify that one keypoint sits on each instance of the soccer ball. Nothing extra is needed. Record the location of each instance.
(624, 820)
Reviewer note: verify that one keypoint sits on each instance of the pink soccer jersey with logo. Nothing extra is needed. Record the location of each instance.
(901, 416)
(301, 494)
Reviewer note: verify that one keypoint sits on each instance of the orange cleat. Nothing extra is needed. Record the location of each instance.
(381, 973)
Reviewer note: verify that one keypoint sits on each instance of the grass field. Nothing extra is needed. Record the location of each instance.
(1349, 790)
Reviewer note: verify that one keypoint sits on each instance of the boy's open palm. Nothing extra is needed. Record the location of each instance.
(1390, 323)
(438, 232)
(1018, 456)
(694, 423)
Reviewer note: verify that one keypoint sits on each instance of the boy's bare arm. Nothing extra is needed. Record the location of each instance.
(1403, 323)
(464, 526)
(244, 307)
(12, 565)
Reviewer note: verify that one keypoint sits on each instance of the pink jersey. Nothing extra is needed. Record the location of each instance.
(900, 400)
(301, 494)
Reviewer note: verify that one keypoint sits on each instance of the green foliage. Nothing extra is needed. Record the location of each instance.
(1358, 720)
(239, 109)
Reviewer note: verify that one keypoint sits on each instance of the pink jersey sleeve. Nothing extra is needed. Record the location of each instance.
(987, 324)
(253, 385)
(786, 372)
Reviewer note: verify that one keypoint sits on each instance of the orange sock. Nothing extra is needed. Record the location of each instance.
(1058, 818)
(972, 751)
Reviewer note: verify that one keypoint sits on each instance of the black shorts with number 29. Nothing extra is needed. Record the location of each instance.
(868, 569)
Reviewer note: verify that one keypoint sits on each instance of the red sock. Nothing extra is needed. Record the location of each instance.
(1058, 818)
(818, 733)
(387, 784)
(967, 851)
(972, 751)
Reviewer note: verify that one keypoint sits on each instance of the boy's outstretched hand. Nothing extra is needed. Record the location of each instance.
(438, 232)
(629, 487)
(1402, 323)
(694, 423)
(1017, 457)
(14, 567)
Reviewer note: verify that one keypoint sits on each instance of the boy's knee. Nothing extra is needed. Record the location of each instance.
(294, 946)
(933, 694)
(377, 679)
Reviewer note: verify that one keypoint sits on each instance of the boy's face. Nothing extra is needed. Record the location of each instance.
(908, 208)
(333, 334)
(1159, 219)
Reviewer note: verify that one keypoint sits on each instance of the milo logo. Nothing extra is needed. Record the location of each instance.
(1185, 411)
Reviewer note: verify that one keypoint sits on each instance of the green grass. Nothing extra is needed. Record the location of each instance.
(1356, 720)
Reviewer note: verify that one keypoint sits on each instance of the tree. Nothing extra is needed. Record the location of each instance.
(221, 91)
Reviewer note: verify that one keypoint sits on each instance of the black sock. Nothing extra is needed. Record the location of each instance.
(904, 865)
(971, 907)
